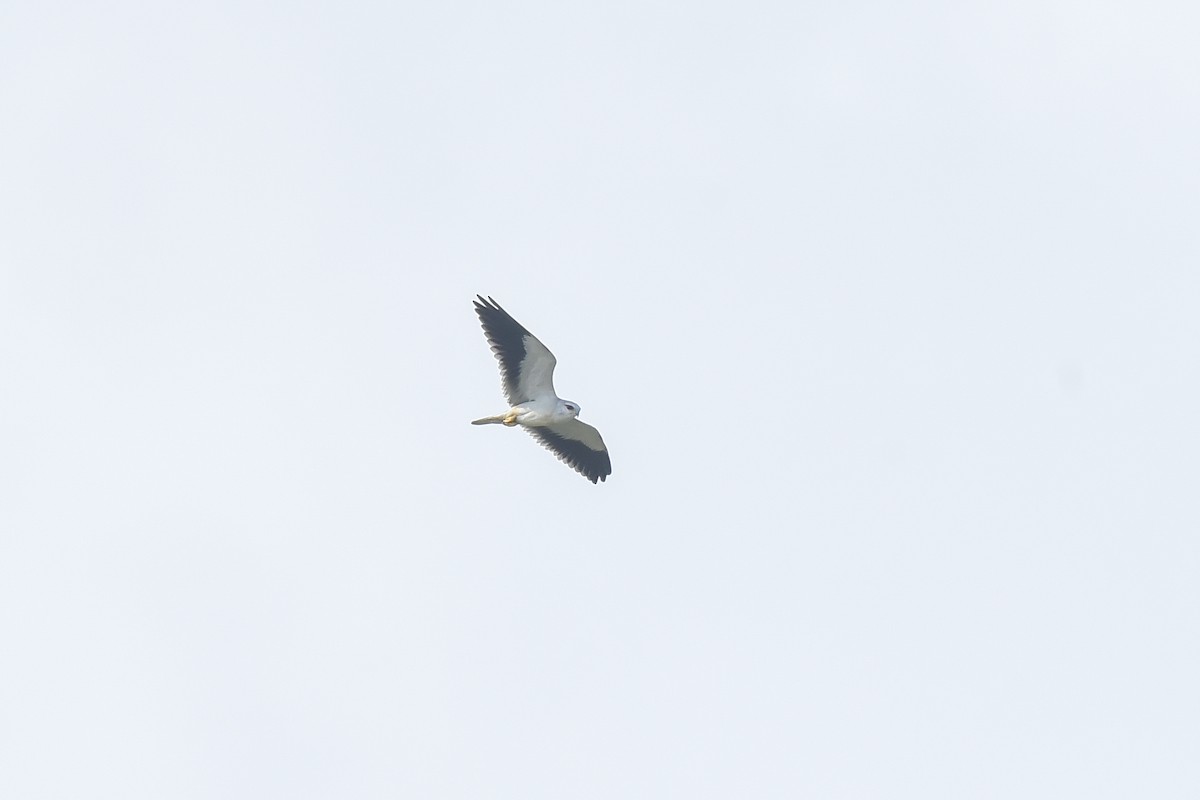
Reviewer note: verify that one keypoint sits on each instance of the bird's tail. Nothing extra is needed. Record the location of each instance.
(498, 420)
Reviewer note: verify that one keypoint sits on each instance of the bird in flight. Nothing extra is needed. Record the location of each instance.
(527, 377)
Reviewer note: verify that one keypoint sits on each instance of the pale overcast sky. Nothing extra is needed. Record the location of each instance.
(889, 314)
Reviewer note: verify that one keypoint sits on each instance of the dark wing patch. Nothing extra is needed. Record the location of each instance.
(594, 465)
(507, 339)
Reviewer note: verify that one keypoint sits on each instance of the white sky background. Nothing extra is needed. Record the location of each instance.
(888, 313)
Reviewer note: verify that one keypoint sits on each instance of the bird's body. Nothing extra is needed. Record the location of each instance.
(532, 414)
(527, 376)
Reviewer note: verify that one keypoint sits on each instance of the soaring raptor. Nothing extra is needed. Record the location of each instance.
(527, 376)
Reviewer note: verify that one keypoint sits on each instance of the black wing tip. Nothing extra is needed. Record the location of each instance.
(489, 310)
(607, 469)
(495, 319)
(593, 465)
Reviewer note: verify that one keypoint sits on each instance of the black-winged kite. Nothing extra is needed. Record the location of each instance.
(527, 377)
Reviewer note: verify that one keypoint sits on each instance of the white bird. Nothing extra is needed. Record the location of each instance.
(527, 377)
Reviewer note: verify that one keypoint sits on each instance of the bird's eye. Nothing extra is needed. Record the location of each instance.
(570, 408)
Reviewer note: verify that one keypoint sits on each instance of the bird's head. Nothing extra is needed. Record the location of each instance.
(568, 408)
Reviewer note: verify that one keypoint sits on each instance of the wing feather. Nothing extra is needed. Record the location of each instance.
(526, 365)
(578, 445)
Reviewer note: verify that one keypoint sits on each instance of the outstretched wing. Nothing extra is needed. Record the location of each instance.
(578, 445)
(526, 366)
